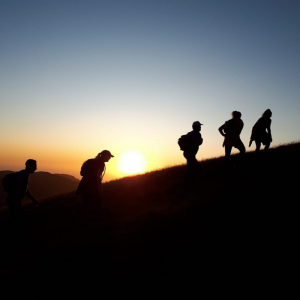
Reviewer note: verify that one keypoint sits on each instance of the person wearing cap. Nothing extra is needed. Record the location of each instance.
(231, 131)
(190, 154)
(92, 172)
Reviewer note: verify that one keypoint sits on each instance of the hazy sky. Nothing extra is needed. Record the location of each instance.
(78, 77)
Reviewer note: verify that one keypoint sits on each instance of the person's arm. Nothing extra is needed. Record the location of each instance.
(29, 195)
(242, 126)
(269, 130)
(221, 130)
(199, 140)
(99, 178)
(252, 137)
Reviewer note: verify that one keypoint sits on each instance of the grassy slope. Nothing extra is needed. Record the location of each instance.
(235, 232)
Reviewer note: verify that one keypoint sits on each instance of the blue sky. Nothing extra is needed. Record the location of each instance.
(82, 76)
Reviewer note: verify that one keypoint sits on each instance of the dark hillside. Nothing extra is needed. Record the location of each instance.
(235, 235)
(3, 194)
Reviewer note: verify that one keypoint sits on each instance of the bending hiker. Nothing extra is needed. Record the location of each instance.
(261, 132)
(92, 172)
(231, 130)
(190, 148)
(18, 188)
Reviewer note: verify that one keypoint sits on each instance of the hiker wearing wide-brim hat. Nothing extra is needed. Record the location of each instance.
(92, 172)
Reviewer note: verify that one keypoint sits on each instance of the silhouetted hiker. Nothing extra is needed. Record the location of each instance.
(261, 132)
(92, 172)
(18, 191)
(190, 149)
(231, 130)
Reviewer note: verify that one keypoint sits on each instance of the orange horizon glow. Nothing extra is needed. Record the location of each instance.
(67, 157)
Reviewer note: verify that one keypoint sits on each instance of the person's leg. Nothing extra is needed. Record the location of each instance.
(267, 146)
(189, 168)
(227, 156)
(241, 147)
(91, 205)
(194, 168)
(86, 203)
(15, 208)
(228, 151)
(258, 145)
(86, 200)
(96, 198)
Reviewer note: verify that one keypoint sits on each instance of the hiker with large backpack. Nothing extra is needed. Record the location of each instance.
(16, 185)
(261, 132)
(92, 172)
(231, 131)
(189, 144)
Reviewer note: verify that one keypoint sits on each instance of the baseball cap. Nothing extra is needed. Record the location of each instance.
(197, 123)
(106, 152)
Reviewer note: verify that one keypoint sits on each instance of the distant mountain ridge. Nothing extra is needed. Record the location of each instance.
(44, 185)
(73, 178)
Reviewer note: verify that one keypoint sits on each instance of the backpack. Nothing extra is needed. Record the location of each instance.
(8, 182)
(185, 142)
(87, 168)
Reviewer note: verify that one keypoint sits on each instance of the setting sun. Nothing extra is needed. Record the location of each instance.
(132, 162)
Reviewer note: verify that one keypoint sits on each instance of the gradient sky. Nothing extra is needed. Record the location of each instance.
(78, 77)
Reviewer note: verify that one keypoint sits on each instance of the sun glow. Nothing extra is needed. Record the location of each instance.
(132, 162)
